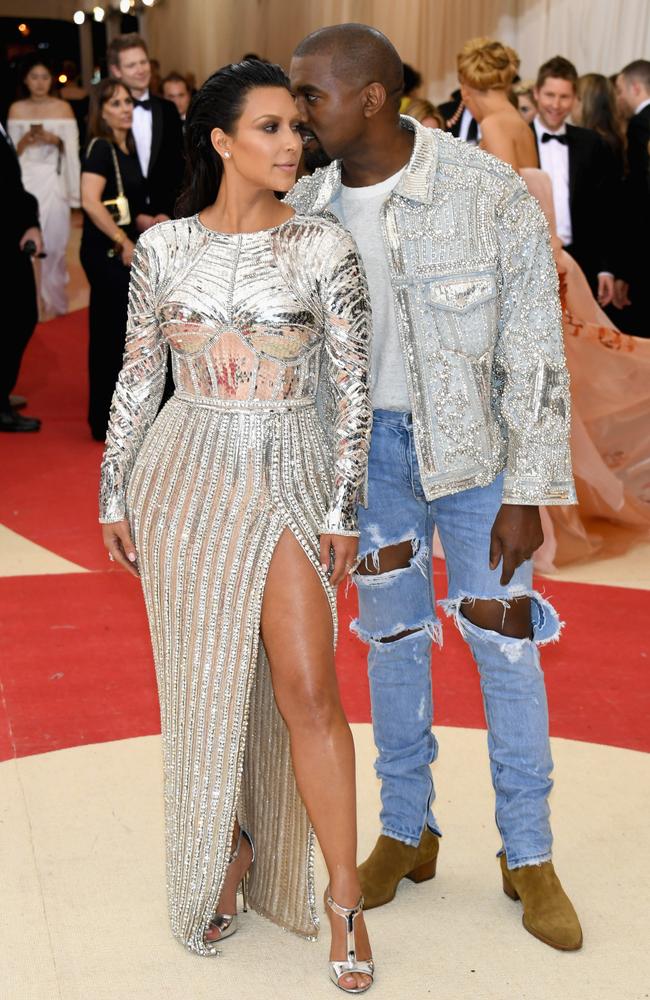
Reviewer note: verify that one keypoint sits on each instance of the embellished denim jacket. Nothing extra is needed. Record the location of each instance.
(477, 305)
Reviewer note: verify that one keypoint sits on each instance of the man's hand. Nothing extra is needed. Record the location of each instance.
(516, 533)
(621, 294)
(34, 234)
(143, 221)
(605, 289)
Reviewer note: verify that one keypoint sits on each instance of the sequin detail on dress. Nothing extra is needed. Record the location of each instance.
(268, 431)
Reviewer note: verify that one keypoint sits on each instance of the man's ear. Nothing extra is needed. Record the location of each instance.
(373, 99)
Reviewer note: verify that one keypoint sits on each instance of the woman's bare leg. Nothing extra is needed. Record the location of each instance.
(297, 634)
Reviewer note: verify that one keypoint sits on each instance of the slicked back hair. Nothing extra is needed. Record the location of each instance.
(360, 55)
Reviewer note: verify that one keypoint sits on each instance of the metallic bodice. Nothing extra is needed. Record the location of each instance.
(252, 320)
(236, 327)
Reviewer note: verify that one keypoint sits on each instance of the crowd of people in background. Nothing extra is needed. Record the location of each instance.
(118, 153)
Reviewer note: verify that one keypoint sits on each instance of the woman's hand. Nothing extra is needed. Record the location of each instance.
(29, 139)
(345, 555)
(118, 541)
(49, 138)
(126, 252)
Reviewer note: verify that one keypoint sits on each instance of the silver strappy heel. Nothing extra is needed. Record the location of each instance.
(226, 923)
(338, 969)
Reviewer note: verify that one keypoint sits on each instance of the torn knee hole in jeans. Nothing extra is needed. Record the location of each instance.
(431, 628)
(545, 621)
(370, 562)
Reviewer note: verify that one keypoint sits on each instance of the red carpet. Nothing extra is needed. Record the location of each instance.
(76, 665)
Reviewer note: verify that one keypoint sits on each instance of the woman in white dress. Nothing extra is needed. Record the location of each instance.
(44, 131)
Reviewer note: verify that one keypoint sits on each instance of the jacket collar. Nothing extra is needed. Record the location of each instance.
(416, 183)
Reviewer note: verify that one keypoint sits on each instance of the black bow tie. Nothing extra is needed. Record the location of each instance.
(547, 136)
(146, 104)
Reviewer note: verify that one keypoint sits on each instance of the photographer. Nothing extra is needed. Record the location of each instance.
(21, 239)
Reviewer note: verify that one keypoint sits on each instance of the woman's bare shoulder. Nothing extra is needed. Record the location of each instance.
(58, 108)
(20, 110)
(503, 120)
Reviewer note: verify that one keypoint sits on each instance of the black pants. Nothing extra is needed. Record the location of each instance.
(109, 295)
(635, 318)
(20, 315)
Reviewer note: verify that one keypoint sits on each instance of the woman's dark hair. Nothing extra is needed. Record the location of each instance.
(30, 63)
(218, 104)
(599, 109)
(100, 95)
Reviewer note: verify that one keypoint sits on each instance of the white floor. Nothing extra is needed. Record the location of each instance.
(83, 908)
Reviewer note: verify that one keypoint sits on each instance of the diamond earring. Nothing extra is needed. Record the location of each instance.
(226, 155)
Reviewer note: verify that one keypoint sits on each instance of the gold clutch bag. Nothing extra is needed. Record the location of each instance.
(119, 206)
(119, 209)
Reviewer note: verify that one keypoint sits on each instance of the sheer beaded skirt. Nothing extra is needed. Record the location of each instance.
(212, 490)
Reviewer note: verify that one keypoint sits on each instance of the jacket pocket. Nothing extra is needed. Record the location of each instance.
(464, 310)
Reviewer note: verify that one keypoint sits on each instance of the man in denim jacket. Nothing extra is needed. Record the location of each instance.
(470, 435)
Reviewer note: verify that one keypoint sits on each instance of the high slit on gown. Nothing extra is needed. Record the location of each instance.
(268, 430)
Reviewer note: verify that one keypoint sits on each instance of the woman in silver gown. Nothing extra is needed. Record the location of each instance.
(236, 506)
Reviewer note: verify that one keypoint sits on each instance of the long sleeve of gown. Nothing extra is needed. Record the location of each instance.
(139, 389)
(346, 305)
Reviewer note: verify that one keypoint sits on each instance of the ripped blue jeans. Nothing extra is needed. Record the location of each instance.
(511, 678)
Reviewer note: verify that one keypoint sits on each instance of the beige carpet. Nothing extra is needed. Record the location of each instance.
(83, 908)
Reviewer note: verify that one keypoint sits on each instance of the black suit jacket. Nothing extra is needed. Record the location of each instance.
(593, 186)
(636, 210)
(20, 209)
(449, 109)
(166, 163)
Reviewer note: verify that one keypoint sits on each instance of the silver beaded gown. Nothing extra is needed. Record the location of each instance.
(267, 431)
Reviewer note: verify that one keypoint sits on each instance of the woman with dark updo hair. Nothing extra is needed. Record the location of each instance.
(236, 508)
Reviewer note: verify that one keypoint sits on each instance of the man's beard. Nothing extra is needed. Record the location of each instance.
(313, 154)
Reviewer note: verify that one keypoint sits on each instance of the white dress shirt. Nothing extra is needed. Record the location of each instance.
(642, 105)
(554, 160)
(465, 122)
(142, 133)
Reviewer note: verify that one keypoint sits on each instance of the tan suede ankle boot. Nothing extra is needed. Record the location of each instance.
(548, 911)
(391, 861)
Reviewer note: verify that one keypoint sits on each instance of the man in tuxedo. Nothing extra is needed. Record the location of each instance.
(577, 162)
(21, 237)
(633, 93)
(156, 126)
(459, 120)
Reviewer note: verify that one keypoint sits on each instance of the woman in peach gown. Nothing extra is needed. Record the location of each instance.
(610, 370)
(486, 70)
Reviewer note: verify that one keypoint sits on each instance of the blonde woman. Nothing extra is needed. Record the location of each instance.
(525, 97)
(486, 70)
(425, 113)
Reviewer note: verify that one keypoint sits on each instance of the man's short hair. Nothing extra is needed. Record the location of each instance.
(360, 55)
(560, 69)
(637, 72)
(121, 43)
(174, 77)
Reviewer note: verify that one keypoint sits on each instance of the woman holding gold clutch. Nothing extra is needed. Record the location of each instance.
(113, 200)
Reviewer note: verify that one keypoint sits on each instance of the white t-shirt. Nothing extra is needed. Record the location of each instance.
(359, 210)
